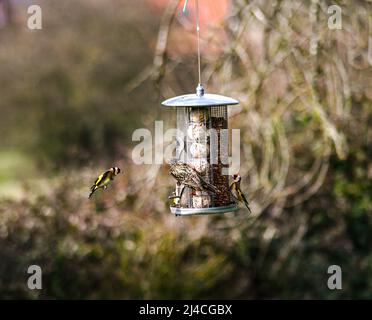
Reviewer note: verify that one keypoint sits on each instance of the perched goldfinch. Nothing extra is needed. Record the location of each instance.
(175, 200)
(104, 179)
(237, 192)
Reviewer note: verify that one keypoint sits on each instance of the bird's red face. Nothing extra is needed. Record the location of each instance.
(115, 170)
(237, 177)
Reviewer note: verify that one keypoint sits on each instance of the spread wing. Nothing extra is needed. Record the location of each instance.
(101, 178)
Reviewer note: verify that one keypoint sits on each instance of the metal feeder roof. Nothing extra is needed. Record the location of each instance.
(199, 99)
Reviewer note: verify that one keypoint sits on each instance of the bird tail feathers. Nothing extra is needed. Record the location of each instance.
(209, 186)
(92, 190)
(247, 205)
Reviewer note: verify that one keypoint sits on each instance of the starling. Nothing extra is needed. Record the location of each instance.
(189, 177)
(237, 192)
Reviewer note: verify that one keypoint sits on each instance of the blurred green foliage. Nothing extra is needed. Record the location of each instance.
(70, 96)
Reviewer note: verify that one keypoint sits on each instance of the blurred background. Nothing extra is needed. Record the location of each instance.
(72, 94)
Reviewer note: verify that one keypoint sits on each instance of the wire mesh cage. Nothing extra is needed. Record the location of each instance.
(203, 144)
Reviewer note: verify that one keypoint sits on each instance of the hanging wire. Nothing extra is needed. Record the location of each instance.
(197, 34)
(184, 6)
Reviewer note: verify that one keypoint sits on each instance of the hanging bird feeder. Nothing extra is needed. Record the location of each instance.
(202, 123)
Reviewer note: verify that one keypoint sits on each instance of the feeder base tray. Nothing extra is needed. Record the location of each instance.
(213, 210)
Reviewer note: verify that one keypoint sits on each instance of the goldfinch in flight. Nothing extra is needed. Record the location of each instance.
(237, 192)
(104, 179)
